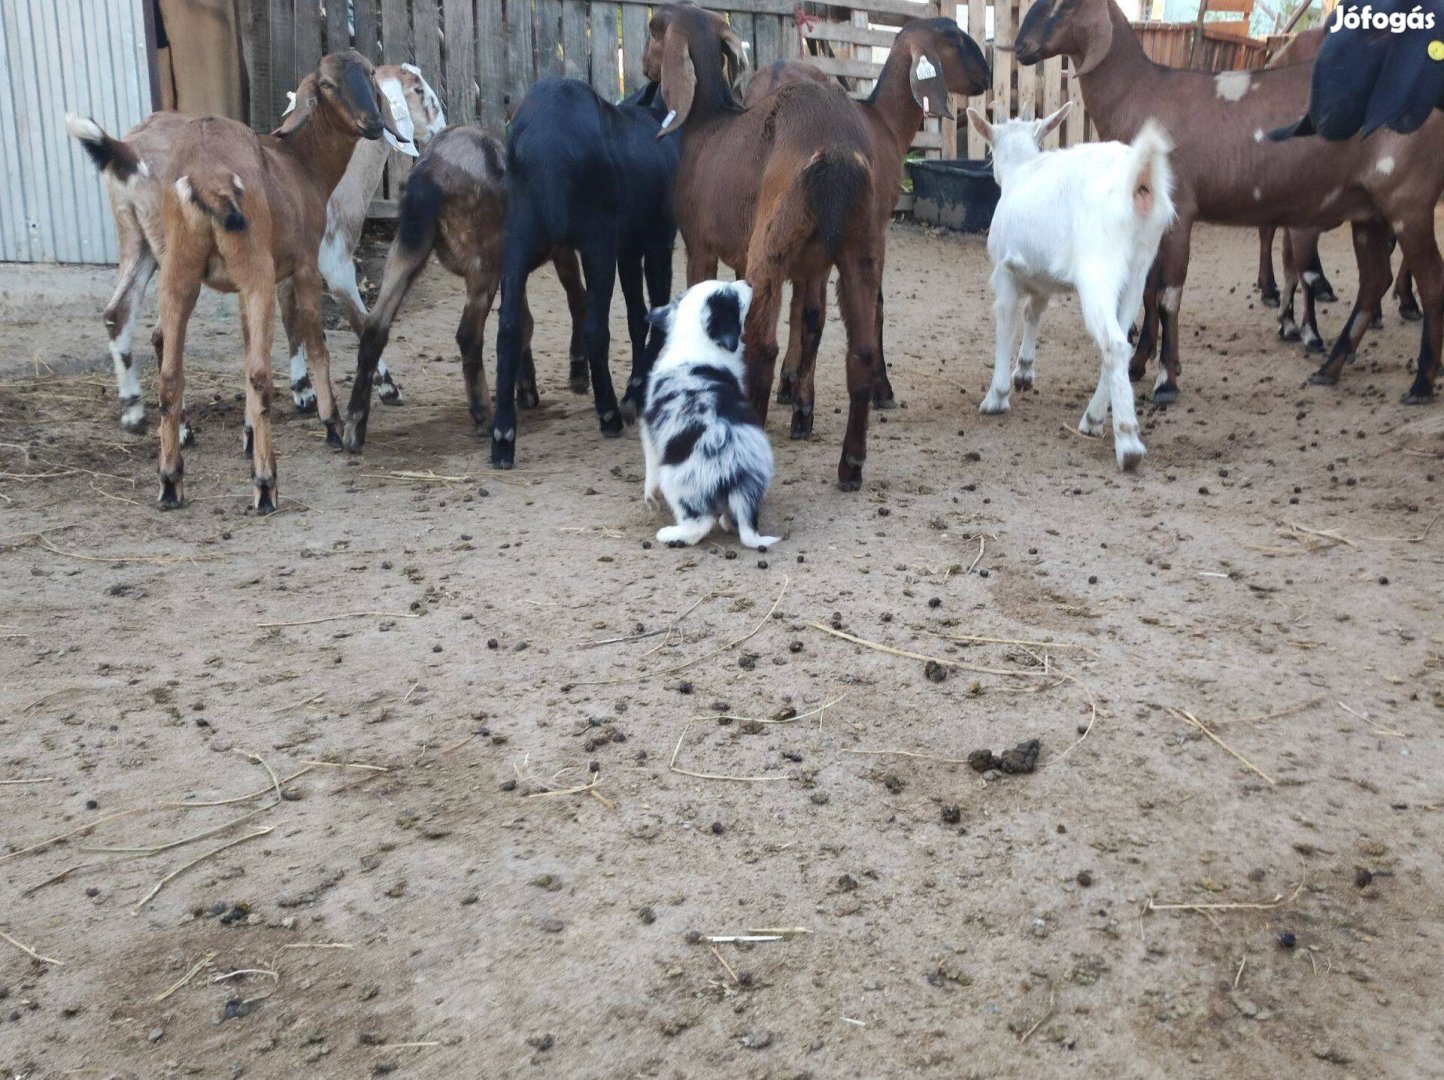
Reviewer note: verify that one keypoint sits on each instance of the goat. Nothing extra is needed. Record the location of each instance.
(419, 117)
(242, 212)
(1228, 171)
(591, 177)
(807, 314)
(454, 204)
(803, 182)
(1087, 218)
(132, 167)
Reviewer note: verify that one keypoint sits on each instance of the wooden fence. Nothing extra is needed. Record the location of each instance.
(481, 55)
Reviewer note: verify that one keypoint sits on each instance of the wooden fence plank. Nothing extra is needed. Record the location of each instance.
(283, 53)
(768, 46)
(745, 27)
(791, 43)
(520, 57)
(309, 36)
(576, 51)
(548, 16)
(1002, 61)
(1077, 122)
(459, 66)
(338, 30)
(397, 44)
(426, 29)
(977, 30)
(368, 29)
(634, 40)
(849, 34)
(606, 72)
(491, 63)
(850, 69)
(1052, 96)
(264, 109)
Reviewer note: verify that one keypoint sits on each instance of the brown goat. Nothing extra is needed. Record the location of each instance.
(455, 206)
(242, 212)
(1228, 171)
(804, 181)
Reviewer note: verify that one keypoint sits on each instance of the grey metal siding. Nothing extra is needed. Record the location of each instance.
(58, 56)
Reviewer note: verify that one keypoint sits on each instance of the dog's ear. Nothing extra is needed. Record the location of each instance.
(724, 318)
(661, 317)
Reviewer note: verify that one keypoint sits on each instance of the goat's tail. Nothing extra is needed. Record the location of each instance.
(421, 202)
(835, 182)
(109, 153)
(216, 197)
(1150, 175)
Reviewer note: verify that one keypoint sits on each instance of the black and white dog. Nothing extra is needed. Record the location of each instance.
(707, 454)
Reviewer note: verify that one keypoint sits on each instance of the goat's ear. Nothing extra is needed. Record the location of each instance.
(303, 103)
(397, 113)
(981, 126)
(930, 89)
(1052, 120)
(679, 79)
(1098, 33)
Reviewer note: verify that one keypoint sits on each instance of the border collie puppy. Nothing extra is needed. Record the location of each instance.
(707, 454)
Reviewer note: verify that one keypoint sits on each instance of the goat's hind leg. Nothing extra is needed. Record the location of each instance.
(1033, 309)
(1103, 315)
(814, 310)
(470, 335)
(307, 281)
(599, 265)
(1006, 304)
(564, 261)
(303, 394)
(138, 266)
(179, 290)
(1371, 252)
(1288, 327)
(1268, 286)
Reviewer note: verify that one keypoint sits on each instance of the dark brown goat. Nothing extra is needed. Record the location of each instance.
(1228, 171)
(804, 181)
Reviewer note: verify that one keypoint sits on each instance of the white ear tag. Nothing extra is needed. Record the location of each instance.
(924, 69)
(925, 103)
(291, 106)
(670, 117)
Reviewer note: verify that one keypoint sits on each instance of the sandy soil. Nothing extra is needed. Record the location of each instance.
(495, 636)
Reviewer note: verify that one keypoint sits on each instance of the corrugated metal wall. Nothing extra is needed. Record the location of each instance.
(59, 56)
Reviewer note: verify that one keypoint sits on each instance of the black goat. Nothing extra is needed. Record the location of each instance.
(594, 178)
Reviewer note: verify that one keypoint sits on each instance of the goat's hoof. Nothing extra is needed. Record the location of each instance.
(389, 391)
(1165, 393)
(849, 476)
(354, 437)
(1409, 310)
(172, 495)
(1324, 377)
(132, 416)
(994, 405)
(1288, 333)
(248, 443)
(1324, 294)
(1022, 382)
(610, 423)
(1128, 459)
(631, 408)
(503, 449)
(784, 391)
(579, 377)
(802, 423)
(1269, 299)
(1136, 370)
(527, 397)
(1313, 345)
(303, 397)
(333, 434)
(1091, 428)
(580, 385)
(1377, 322)
(265, 498)
(1418, 395)
(884, 401)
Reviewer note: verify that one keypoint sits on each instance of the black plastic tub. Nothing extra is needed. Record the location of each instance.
(955, 194)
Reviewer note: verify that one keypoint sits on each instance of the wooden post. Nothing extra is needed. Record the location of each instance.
(491, 63)
(459, 74)
(606, 74)
(576, 53)
(634, 40)
(548, 38)
(1002, 60)
(520, 61)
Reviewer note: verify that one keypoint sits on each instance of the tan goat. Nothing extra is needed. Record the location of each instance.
(240, 213)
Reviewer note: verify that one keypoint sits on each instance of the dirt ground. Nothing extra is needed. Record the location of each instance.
(440, 898)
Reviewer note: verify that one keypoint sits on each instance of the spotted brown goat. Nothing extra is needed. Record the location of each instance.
(804, 181)
(1229, 172)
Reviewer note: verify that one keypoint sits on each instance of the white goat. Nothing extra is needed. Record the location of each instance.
(132, 168)
(1090, 219)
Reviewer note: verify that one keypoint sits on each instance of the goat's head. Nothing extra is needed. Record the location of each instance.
(411, 105)
(343, 90)
(1020, 138)
(942, 60)
(671, 55)
(1080, 29)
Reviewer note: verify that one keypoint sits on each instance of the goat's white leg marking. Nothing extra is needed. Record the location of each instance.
(651, 486)
(1005, 315)
(1101, 315)
(121, 315)
(339, 272)
(302, 393)
(1033, 309)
